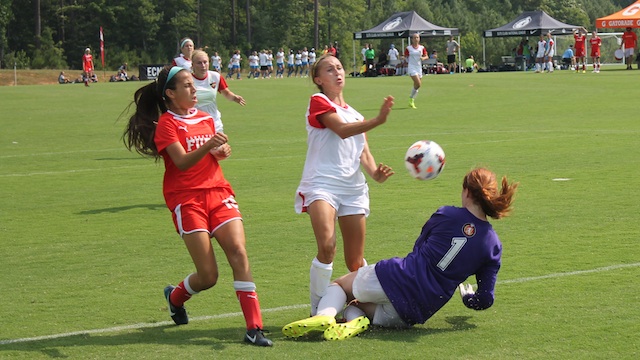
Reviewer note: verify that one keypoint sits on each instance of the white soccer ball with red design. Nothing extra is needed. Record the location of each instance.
(424, 160)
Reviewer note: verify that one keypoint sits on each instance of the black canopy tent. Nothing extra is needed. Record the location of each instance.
(529, 23)
(402, 25)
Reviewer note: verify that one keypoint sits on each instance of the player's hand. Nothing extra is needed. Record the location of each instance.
(387, 104)
(217, 140)
(382, 173)
(465, 290)
(221, 152)
(240, 100)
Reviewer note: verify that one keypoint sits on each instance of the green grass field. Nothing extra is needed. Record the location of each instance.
(88, 245)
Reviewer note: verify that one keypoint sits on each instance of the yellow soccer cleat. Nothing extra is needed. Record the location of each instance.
(305, 326)
(412, 103)
(347, 330)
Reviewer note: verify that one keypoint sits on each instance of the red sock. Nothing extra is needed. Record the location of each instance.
(250, 308)
(179, 295)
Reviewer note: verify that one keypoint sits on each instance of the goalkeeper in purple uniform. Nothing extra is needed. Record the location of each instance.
(455, 243)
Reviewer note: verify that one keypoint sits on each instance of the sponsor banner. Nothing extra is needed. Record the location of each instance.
(149, 72)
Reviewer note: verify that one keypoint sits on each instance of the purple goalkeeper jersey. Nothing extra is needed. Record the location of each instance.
(453, 245)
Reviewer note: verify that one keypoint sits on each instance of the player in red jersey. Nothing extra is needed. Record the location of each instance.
(595, 43)
(166, 124)
(87, 66)
(630, 41)
(580, 37)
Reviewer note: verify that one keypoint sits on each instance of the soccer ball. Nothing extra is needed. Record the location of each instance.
(424, 160)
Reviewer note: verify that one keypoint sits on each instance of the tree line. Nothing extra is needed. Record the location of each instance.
(54, 33)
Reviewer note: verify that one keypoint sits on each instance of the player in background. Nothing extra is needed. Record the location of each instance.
(580, 37)
(269, 62)
(630, 41)
(549, 50)
(264, 63)
(304, 57)
(280, 63)
(415, 54)
(542, 44)
(254, 61)
(208, 84)
(333, 185)
(87, 66)
(166, 125)
(595, 43)
(290, 63)
(186, 50)
(216, 62)
(236, 59)
(455, 243)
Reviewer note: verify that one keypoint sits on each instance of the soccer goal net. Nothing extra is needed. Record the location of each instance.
(610, 43)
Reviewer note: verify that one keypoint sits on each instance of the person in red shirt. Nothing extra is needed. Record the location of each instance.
(595, 43)
(87, 66)
(580, 37)
(166, 125)
(630, 41)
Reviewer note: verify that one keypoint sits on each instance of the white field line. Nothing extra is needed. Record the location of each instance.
(283, 308)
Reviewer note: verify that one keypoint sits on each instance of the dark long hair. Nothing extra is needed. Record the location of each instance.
(149, 103)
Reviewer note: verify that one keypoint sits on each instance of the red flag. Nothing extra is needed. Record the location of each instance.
(102, 47)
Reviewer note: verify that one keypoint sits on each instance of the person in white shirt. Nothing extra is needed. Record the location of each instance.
(208, 84)
(333, 185)
(216, 62)
(415, 54)
(393, 56)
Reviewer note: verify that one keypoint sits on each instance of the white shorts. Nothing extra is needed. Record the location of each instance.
(414, 70)
(550, 54)
(345, 205)
(367, 289)
(628, 52)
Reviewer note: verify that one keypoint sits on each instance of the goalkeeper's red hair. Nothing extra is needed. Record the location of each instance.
(482, 185)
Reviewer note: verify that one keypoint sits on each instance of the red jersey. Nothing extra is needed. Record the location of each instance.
(595, 45)
(191, 131)
(629, 39)
(580, 40)
(87, 62)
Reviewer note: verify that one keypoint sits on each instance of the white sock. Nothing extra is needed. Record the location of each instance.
(550, 66)
(333, 301)
(414, 92)
(351, 312)
(319, 280)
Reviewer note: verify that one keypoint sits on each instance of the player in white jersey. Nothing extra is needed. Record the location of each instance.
(312, 57)
(216, 62)
(263, 62)
(290, 63)
(415, 54)
(304, 57)
(542, 44)
(184, 59)
(549, 52)
(269, 63)
(280, 63)
(254, 62)
(333, 185)
(208, 84)
(236, 58)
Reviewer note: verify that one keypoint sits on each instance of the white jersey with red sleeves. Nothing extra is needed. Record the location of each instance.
(206, 91)
(183, 62)
(191, 131)
(332, 163)
(414, 58)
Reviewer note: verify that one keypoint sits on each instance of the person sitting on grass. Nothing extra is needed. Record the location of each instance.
(62, 79)
(455, 243)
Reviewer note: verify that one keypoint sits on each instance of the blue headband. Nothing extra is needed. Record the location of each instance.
(184, 42)
(174, 70)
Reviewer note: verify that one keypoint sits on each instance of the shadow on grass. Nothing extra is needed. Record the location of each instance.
(123, 208)
(215, 339)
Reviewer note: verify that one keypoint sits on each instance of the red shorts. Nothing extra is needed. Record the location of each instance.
(595, 53)
(204, 210)
(88, 69)
(580, 52)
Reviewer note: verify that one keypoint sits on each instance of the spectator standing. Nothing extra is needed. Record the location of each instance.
(452, 50)
(393, 56)
(542, 44)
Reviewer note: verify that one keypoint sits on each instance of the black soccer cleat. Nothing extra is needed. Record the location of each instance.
(178, 314)
(256, 337)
